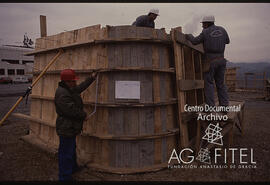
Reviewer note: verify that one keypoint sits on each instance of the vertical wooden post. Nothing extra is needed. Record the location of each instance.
(180, 74)
(43, 26)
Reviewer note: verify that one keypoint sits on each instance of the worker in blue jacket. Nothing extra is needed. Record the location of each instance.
(214, 38)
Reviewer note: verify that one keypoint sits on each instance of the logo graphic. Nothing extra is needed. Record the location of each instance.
(213, 134)
(216, 33)
(204, 156)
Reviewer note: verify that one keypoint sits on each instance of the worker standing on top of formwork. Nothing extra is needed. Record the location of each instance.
(147, 20)
(69, 122)
(214, 39)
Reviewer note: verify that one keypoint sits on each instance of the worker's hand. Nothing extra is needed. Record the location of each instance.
(86, 118)
(94, 75)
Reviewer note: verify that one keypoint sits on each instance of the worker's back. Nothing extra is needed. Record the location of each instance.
(214, 40)
(144, 21)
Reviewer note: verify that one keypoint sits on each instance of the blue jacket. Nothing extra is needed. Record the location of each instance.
(214, 39)
(144, 21)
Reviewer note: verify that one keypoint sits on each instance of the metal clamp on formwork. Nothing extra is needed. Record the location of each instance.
(33, 84)
(27, 92)
(96, 97)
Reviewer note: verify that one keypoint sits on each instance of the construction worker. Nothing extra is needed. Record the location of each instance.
(214, 39)
(147, 20)
(69, 122)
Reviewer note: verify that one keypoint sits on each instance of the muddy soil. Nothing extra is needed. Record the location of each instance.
(20, 161)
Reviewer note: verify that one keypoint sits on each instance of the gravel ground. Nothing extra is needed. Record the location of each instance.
(20, 161)
(13, 89)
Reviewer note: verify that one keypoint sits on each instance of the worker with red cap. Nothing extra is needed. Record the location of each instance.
(70, 118)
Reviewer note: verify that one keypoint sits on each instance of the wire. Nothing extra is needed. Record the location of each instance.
(96, 97)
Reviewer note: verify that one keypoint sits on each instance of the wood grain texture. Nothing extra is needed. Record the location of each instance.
(121, 134)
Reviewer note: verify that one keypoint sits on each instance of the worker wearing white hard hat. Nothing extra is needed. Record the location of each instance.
(214, 38)
(209, 18)
(147, 20)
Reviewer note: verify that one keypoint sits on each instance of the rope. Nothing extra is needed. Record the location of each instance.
(96, 98)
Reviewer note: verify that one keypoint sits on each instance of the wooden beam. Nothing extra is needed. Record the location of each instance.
(115, 69)
(116, 104)
(158, 135)
(30, 118)
(186, 85)
(188, 116)
(67, 46)
(43, 26)
(103, 41)
(180, 38)
(145, 40)
(180, 74)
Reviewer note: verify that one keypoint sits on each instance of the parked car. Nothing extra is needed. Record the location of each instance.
(20, 79)
(30, 79)
(6, 80)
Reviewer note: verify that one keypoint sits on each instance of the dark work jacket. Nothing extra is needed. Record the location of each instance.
(69, 108)
(214, 39)
(144, 21)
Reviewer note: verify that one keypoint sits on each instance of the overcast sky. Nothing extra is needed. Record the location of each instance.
(248, 24)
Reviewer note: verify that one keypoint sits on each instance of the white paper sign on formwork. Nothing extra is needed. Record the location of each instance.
(127, 89)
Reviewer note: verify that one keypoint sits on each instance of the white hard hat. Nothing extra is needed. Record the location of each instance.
(154, 11)
(208, 18)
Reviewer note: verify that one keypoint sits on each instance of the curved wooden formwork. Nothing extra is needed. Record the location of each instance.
(123, 136)
(230, 78)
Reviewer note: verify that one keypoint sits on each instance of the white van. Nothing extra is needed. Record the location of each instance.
(20, 79)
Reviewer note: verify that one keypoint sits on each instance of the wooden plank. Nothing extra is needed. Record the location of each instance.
(67, 46)
(180, 38)
(147, 151)
(35, 108)
(163, 115)
(198, 137)
(201, 98)
(187, 85)
(33, 119)
(34, 128)
(146, 117)
(191, 96)
(117, 104)
(43, 26)
(47, 111)
(44, 133)
(112, 69)
(76, 44)
(147, 52)
(156, 98)
(189, 74)
(168, 133)
(134, 162)
(179, 63)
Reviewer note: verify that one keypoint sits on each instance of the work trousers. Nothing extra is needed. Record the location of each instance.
(67, 158)
(216, 73)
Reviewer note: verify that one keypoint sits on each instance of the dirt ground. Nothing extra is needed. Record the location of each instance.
(20, 161)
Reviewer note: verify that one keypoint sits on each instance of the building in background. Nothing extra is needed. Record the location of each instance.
(14, 64)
